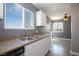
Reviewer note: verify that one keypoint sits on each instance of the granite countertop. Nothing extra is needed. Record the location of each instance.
(7, 45)
(35, 39)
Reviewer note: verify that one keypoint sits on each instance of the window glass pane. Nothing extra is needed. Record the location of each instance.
(58, 26)
(31, 20)
(13, 17)
(28, 19)
(54, 26)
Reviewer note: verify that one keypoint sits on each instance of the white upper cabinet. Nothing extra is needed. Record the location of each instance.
(40, 18)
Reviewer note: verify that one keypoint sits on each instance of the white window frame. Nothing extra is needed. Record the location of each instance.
(1, 12)
(23, 12)
(57, 27)
(32, 18)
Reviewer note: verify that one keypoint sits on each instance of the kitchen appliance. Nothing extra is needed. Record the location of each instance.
(16, 52)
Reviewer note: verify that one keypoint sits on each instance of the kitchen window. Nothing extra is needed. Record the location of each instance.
(57, 26)
(28, 19)
(17, 17)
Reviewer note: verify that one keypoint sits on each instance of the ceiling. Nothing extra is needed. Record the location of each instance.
(54, 11)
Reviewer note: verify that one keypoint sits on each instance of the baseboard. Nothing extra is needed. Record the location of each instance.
(60, 39)
(74, 53)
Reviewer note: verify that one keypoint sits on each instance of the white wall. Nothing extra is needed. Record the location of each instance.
(75, 28)
(1, 10)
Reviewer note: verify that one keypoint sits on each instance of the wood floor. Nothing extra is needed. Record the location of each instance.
(60, 47)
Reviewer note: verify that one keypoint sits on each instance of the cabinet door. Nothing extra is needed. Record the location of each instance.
(38, 49)
(43, 19)
(47, 44)
(43, 46)
(40, 18)
(27, 50)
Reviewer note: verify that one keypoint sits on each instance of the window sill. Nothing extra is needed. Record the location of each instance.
(57, 31)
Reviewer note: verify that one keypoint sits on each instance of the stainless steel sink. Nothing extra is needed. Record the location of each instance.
(26, 38)
(23, 39)
(31, 37)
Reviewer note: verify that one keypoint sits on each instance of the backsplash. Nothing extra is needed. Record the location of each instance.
(39, 29)
(43, 29)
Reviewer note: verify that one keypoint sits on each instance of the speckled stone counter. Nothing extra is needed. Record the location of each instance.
(10, 44)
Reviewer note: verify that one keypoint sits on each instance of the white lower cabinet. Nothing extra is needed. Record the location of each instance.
(38, 48)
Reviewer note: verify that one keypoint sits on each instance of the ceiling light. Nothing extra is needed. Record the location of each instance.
(66, 17)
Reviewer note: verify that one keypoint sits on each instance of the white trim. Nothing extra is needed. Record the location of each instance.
(31, 17)
(23, 18)
(74, 53)
(1, 16)
(60, 39)
(4, 6)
